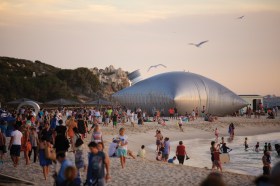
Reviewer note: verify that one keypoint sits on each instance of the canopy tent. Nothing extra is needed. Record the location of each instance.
(62, 101)
(99, 102)
(21, 100)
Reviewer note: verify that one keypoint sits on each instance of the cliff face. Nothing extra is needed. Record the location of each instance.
(111, 80)
(42, 82)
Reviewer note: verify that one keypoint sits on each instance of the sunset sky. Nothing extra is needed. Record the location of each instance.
(242, 54)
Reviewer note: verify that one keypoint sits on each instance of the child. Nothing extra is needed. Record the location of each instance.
(172, 160)
(269, 147)
(159, 156)
(142, 152)
(246, 144)
(257, 147)
(79, 159)
(265, 147)
(180, 124)
(216, 134)
(122, 149)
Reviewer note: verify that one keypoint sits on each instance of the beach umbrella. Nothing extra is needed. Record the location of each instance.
(63, 102)
(21, 100)
(99, 102)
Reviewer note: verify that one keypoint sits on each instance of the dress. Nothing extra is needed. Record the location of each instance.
(42, 158)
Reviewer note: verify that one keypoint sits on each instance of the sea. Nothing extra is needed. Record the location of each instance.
(241, 161)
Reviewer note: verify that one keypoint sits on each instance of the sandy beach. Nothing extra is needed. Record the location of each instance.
(150, 172)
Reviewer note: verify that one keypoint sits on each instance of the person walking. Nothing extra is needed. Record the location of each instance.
(15, 145)
(98, 172)
(181, 152)
(34, 140)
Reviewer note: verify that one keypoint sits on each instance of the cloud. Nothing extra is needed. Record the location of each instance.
(122, 11)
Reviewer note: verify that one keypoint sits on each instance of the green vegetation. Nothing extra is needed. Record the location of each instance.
(17, 81)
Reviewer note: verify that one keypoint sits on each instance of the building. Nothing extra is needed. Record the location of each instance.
(253, 100)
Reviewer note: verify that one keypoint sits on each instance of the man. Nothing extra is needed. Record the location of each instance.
(61, 158)
(97, 164)
(266, 159)
(15, 145)
(181, 152)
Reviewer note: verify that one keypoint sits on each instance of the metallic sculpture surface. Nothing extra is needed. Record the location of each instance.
(182, 90)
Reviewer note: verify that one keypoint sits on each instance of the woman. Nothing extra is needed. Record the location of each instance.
(81, 126)
(159, 138)
(71, 124)
(44, 162)
(122, 148)
(25, 144)
(215, 156)
(181, 152)
(97, 135)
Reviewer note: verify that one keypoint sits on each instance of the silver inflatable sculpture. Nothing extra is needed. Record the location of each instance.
(182, 90)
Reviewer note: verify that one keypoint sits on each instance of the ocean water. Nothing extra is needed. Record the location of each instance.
(244, 162)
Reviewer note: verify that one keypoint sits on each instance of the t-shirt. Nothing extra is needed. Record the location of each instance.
(181, 149)
(112, 149)
(17, 135)
(96, 165)
(166, 147)
(142, 153)
(170, 160)
(123, 139)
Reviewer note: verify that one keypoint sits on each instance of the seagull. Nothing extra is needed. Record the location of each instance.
(241, 17)
(199, 44)
(155, 66)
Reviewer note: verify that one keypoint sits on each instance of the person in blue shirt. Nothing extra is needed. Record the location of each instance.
(172, 160)
(61, 158)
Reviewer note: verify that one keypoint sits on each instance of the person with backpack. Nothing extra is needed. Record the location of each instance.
(98, 163)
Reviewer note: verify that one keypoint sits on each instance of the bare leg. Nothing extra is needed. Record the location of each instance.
(45, 172)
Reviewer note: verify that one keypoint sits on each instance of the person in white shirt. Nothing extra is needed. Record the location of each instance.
(15, 145)
(122, 149)
(113, 148)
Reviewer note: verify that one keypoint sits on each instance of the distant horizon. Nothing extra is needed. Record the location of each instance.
(241, 53)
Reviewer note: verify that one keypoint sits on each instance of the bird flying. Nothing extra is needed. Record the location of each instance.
(241, 17)
(198, 44)
(155, 66)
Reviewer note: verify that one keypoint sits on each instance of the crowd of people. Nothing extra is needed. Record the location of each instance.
(48, 138)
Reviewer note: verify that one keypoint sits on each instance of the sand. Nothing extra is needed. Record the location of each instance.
(148, 171)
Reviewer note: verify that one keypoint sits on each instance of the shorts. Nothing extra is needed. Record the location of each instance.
(15, 150)
(266, 170)
(114, 123)
(165, 156)
(158, 142)
(121, 152)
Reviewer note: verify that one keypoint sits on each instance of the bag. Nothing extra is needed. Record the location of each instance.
(79, 141)
(187, 157)
(50, 153)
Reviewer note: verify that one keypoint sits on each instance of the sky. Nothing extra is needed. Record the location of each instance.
(241, 54)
